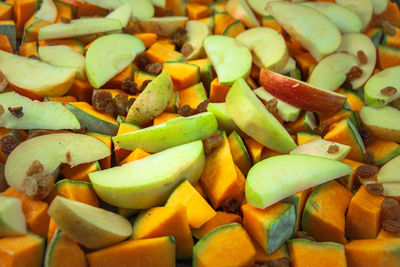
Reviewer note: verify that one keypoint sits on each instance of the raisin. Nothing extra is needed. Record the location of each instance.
(185, 111)
(390, 209)
(102, 100)
(347, 85)
(154, 68)
(187, 49)
(38, 186)
(35, 168)
(369, 157)
(142, 62)
(202, 107)
(212, 142)
(362, 58)
(304, 235)
(389, 91)
(65, 20)
(333, 149)
(8, 143)
(322, 129)
(3, 82)
(375, 189)
(391, 225)
(290, 130)
(17, 112)
(354, 73)
(365, 135)
(1, 110)
(83, 130)
(129, 104)
(178, 37)
(120, 102)
(130, 86)
(231, 205)
(144, 85)
(131, 29)
(281, 262)
(366, 171)
(388, 28)
(272, 106)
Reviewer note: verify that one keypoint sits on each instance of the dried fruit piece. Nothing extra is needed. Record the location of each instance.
(389, 91)
(369, 157)
(8, 143)
(362, 58)
(333, 149)
(187, 49)
(231, 206)
(390, 209)
(391, 225)
(185, 111)
(354, 73)
(35, 168)
(272, 106)
(101, 100)
(366, 171)
(154, 68)
(375, 189)
(202, 107)
(212, 142)
(38, 186)
(144, 85)
(130, 86)
(388, 28)
(178, 37)
(65, 20)
(17, 112)
(322, 129)
(142, 62)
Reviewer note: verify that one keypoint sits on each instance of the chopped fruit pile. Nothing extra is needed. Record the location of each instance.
(199, 133)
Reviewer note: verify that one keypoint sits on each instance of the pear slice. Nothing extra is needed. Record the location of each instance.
(12, 219)
(390, 172)
(123, 14)
(47, 12)
(196, 33)
(109, 55)
(37, 115)
(230, 58)
(323, 148)
(362, 8)
(140, 8)
(92, 227)
(314, 31)
(268, 47)
(51, 150)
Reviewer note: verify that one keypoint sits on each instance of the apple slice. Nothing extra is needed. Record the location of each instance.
(164, 26)
(73, 2)
(323, 148)
(301, 94)
(35, 77)
(147, 182)
(390, 172)
(109, 55)
(346, 20)
(330, 73)
(258, 6)
(289, 67)
(92, 227)
(241, 11)
(78, 27)
(37, 115)
(64, 56)
(277, 178)
(254, 119)
(172, 133)
(106, 4)
(224, 120)
(123, 14)
(196, 33)
(230, 58)
(140, 8)
(314, 31)
(391, 189)
(362, 8)
(47, 12)
(267, 46)
(51, 150)
(383, 122)
(12, 219)
(383, 87)
(379, 6)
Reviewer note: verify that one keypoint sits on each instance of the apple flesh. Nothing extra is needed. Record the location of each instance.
(258, 6)
(196, 33)
(239, 9)
(37, 115)
(320, 148)
(224, 120)
(109, 55)
(379, 6)
(254, 119)
(314, 31)
(174, 132)
(92, 227)
(106, 4)
(36, 77)
(51, 150)
(390, 172)
(47, 12)
(363, 8)
(123, 14)
(279, 177)
(301, 94)
(140, 8)
(148, 182)
(230, 58)
(164, 26)
(12, 219)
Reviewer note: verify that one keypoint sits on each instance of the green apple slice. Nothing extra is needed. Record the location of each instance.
(159, 3)
(224, 120)
(174, 132)
(12, 219)
(330, 73)
(389, 77)
(47, 12)
(231, 59)
(152, 101)
(140, 8)
(37, 115)
(314, 31)
(123, 14)
(277, 178)
(196, 33)
(109, 55)
(51, 150)
(258, 6)
(383, 122)
(379, 6)
(289, 67)
(35, 76)
(64, 56)
(391, 189)
(106, 4)
(352, 43)
(363, 8)
(346, 20)
(240, 10)
(254, 119)
(79, 27)
(267, 46)
(390, 172)
(164, 26)
(321, 148)
(286, 111)
(147, 182)
(92, 227)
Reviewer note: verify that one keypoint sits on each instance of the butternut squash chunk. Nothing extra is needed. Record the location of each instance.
(299, 201)
(80, 172)
(117, 80)
(164, 117)
(196, 11)
(255, 149)
(81, 90)
(304, 137)
(6, 11)
(192, 96)
(222, 20)
(239, 152)
(218, 91)
(262, 257)
(183, 74)
(161, 53)
(148, 38)
(5, 44)
(136, 154)
(352, 181)
(29, 49)
(106, 139)
(383, 150)
(388, 57)
(23, 10)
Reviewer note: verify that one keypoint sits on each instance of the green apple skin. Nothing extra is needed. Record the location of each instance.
(224, 120)
(231, 59)
(277, 178)
(148, 182)
(12, 218)
(37, 115)
(320, 147)
(122, 13)
(109, 55)
(152, 101)
(385, 78)
(363, 8)
(390, 172)
(196, 33)
(164, 26)
(51, 150)
(254, 119)
(92, 227)
(172, 133)
(79, 27)
(141, 8)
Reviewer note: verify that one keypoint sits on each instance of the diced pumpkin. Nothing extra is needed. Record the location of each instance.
(383, 234)
(5, 44)
(294, 48)
(392, 13)
(270, 22)
(352, 181)
(24, 250)
(29, 50)
(206, 71)
(139, 77)
(80, 172)
(338, 116)
(373, 252)
(299, 201)
(192, 96)
(305, 253)
(222, 20)
(388, 57)
(199, 189)
(89, 10)
(241, 184)
(7, 28)
(353, 99)
(304, 61)
(392, 40)
(31, 29)
(35, 211)
(234, 29)
(81, 90)
(255, 149)
(106, 139)
(218, 6)
(152, 252)
(304, 137)
(176, 6)
(148, 38)
(383, 150)
(363, 219)
(121, 153)
(239, 152)
(64, 10)
(183, 74)
(164, 117)
(267, 153)
(196, 11)
(219, 178)
(117, 80)
(344, 132)
(324, 213)
(160, 53)
(262, 257)
(164, 221)
(227, 245)
(6, 11)
(167, 43)
(52, 229)
(136, 154)
(23, 10)
(218, 91)
(197, 209)
(60, 99)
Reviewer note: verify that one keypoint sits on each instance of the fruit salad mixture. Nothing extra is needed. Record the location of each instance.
(199, 133)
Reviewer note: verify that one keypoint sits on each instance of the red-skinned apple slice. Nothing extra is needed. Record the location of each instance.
(301, 94)
(73, 2)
